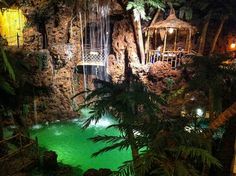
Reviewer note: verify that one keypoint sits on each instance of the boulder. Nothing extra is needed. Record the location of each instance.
(105, 172)
(50, 160)
(91, 172)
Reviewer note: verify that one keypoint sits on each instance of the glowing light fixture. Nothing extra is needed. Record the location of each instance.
(199, 112)
(170, 30)
(233, 45)
(94, 53)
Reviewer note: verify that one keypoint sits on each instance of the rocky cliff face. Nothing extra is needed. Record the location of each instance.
(58, 48)
(57, 35)
(53, 35)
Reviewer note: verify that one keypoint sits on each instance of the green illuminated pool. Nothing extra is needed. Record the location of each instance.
(73, 147)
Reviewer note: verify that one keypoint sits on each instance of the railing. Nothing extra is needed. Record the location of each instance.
(174, 58)
(95, 56)
(17, 153)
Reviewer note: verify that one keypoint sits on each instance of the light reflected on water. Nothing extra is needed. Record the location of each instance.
(71, 143)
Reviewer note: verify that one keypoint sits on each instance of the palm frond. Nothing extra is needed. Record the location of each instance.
(126, 169)
(6, 86)
(204, 155)
(106, 138)
(120, 145)
(7, 66)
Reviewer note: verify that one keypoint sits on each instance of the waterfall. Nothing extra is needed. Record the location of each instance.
(95, 38)
(36, 126)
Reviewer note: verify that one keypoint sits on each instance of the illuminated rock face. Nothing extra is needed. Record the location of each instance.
(12, 22)
(161, 77)
(56, 44)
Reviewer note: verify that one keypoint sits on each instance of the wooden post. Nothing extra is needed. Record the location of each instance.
(186, 42)
(147, 46)
(164, 47)
(18, 40)
(175, 43)
(155, 39)
(190, 41)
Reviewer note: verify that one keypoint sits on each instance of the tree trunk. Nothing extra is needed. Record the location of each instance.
(139, 37)
(223, 117)
(155, 17)
(137, 34)
(134, 150)
(203, 35)
(218, 34)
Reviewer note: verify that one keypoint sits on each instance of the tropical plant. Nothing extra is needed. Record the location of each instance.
(173, 151)
(158, 145)
(131, 104)
(209, 76)
(139, 10)
(223, 117)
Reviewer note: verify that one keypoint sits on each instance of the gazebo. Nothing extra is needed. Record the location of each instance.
(169, 40)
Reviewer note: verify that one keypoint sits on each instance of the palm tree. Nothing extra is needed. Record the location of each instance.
(174, 151)
(138, 9)
(7, 73)
(131, 104)
(223, 117)
(158, 145)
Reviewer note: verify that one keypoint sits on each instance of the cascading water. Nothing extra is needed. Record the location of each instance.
(95, 40)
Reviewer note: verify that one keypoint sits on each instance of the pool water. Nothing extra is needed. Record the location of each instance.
(72, 146)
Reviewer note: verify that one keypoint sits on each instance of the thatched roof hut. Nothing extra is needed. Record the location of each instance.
(172, 22)
(171, 35)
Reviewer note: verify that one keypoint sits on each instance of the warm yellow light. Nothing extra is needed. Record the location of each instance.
(233, 45)
(12, 22)
(170, 30)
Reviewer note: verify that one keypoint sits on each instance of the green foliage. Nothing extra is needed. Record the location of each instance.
(186, 12)
(173, 151)
(6, 65)
(6, 86)
(126, 169)
(195, 153)
(138, 7)
(163, 146)
(6, 69)
(123, 101)
(209, 74)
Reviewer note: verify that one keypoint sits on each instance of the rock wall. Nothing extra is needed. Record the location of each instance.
(59, 58)
(60, 44)
(124, 47)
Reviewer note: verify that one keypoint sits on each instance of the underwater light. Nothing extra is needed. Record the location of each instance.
(199, 112)
(104, 122)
